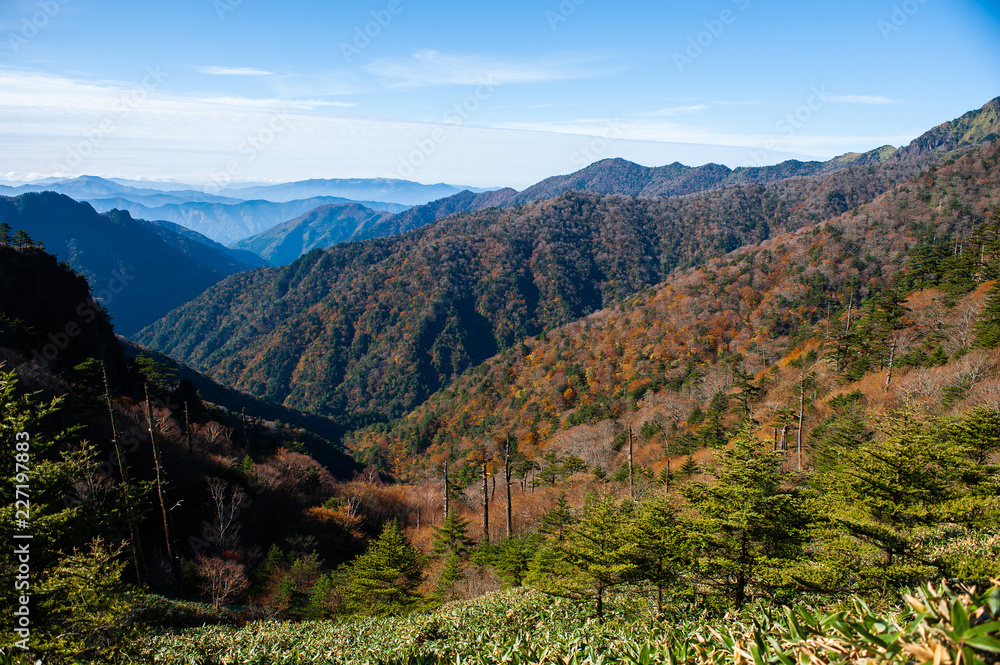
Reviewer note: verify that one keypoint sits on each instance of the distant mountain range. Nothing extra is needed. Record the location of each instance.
(230, 222)
(375, 327)
(139, 270)
(356, 189)
(321, 227)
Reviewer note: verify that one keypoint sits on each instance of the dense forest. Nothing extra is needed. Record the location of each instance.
(369, 330)
(755, 424)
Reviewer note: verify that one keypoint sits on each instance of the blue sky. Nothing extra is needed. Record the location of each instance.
(485, 93)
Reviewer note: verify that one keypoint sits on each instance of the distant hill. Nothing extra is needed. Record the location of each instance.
(418, 216)
(618, 176)
(376, 326)
(228, 222)
(88, 187)
(204, 250)
(357, 189)
(138, 271)
(321, 227)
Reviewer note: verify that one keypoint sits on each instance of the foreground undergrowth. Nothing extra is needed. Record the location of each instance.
(935, 624)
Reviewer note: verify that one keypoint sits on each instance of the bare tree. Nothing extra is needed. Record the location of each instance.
(226, 506)
(216, 434)
(222, 580)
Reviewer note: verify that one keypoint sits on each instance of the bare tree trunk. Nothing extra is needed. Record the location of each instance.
(174, 572)
(631, 483)
(140, 568)
(486, 504)
(187, 429)
(506, 474)
(447, 491)
(892, 358)
(802, 405)
(850, 310)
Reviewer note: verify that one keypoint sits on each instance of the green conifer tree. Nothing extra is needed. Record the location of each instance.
(746, 520)
(986, 330)
(384, 580)
(594, 556)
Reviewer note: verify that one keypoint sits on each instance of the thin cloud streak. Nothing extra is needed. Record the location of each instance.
(234, 71)
(427, 68)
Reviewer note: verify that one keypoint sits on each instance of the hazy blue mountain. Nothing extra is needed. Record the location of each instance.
(229, 222)
(418, 216)
(88, 187)
(203, 249)
(362, 190)
(138, 272)
(321, 227)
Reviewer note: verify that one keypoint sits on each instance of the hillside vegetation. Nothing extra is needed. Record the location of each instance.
(371, 329)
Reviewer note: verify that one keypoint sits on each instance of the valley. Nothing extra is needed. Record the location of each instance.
(625, 415)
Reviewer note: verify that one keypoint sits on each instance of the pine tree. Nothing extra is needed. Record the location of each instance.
(556, 521)
(86, 605)
(662, 543)
(986, 330)
(593, 557)
(384, 580)
(746, 520)
(322, 599)
(452, 536)
(879, 496)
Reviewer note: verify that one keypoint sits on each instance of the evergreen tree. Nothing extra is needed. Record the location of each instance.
(594, 557)
(5, 233)
(322, 599)
(986, 330)
(452, 536)
(86, 605)
(556, 521)
(880, 496)
(384, 580)
(662, 543)
(747, 522)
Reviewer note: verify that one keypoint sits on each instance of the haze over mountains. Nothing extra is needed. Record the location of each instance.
(376, 327)
(804, 319)
(218, 234)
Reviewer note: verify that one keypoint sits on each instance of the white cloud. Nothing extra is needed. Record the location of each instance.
(675, 110)
(234, 71)
(860, 99)
(432, 68)
(153, 133)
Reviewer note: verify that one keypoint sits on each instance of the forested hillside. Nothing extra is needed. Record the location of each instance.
(758, 424)
(373, 328)
(898, 281)
(321, 227)
(140, 272)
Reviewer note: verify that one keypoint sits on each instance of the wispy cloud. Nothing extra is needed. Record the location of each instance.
(737, 103)
(674, 110)
(234, 71)
(433, 68)
(860, 99)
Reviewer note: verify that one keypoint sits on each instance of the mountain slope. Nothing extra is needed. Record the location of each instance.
(380, 325)
(319, 228)
(136, 274)
(677, 346)
(204, 250)
(429, 213)
(229, 222)
(376, 327)
(358, 189)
